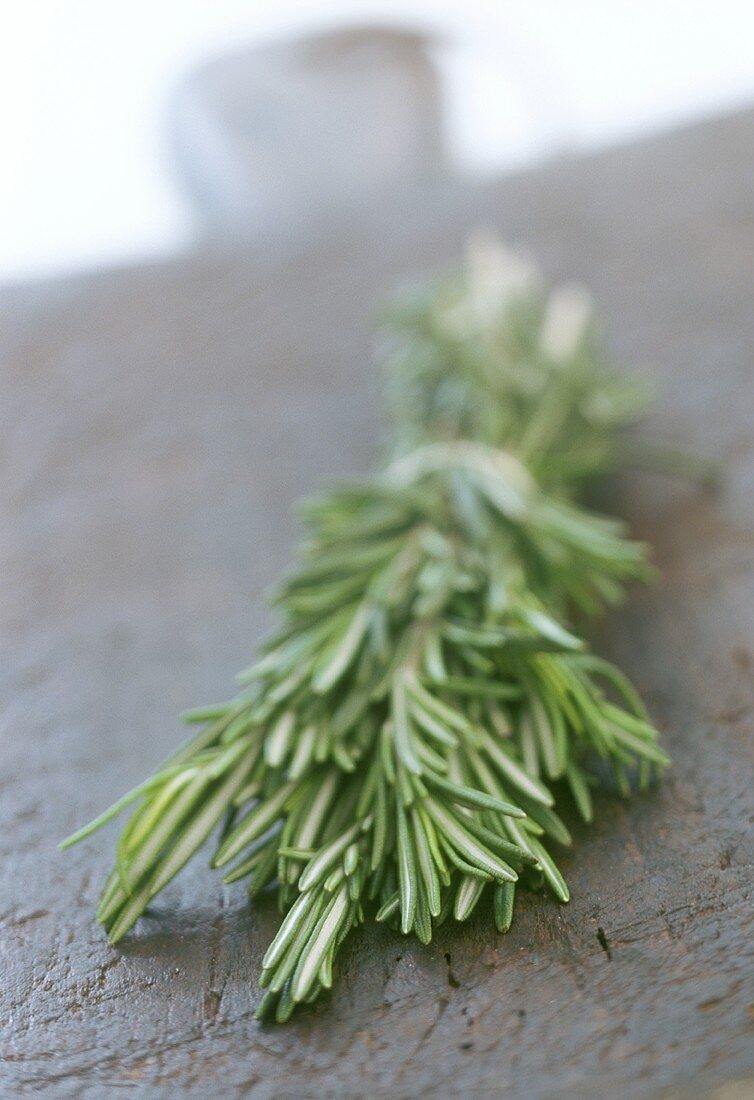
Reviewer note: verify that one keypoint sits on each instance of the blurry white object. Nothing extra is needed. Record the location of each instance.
(84, 88)
(278, 139)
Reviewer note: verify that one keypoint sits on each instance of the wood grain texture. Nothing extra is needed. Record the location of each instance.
(156, 427)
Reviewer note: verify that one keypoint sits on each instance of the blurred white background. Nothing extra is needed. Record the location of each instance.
(84, 86)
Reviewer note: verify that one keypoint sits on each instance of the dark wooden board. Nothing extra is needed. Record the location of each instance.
(156, 425)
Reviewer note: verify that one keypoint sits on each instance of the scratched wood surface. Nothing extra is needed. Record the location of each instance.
(155, 427)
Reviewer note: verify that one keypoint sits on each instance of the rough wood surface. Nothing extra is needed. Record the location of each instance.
(156, 426)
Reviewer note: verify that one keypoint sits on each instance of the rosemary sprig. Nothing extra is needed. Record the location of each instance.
(404, 740)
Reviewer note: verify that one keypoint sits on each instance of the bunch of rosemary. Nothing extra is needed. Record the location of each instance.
(399, 748)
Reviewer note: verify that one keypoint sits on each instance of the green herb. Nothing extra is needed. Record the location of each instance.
(402, 744)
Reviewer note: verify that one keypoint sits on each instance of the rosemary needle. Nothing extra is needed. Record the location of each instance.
(393, 751)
